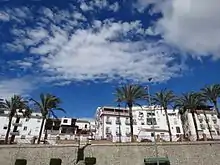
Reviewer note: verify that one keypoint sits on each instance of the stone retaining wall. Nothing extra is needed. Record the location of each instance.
(201, 153)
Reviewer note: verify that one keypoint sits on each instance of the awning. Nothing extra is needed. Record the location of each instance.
(153, 160)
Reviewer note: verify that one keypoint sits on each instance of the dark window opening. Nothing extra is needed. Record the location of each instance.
(178, 130)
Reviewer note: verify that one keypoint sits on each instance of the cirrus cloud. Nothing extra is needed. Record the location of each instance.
(68, 48)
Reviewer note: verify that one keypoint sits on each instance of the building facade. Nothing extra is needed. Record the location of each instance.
(27, 128)
(206, 119)
(113, 123)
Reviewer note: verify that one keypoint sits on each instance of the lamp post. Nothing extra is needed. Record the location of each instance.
(149, 101)
(119, 106)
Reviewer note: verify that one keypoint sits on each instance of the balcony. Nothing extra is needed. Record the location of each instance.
(202, 126)
(108, 132)
(108, 122)
(17, 124)
(127, 122)
(214, 118)
(216, 126)
(117, 122)
(200, 118)
(128, 134)
(17, 133)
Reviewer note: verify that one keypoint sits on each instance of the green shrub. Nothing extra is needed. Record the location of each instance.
(55, 161)
(90, 160)
(21, 162)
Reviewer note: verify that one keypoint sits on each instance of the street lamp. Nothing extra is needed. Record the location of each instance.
(149, 101)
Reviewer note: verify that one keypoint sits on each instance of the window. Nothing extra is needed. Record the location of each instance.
(65, 121)
(118, 121)
(152, 134)
(151, 121)
(162, 134)
(178, 130)
(134, 122)
(107, 129)
(117, 131)
(25, 128)
(26, 119)
(141, 116)
(85, 125)
(5, 127)
(150, 114)
(142, 123)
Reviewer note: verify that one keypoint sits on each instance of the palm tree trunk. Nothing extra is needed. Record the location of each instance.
(195, 125)
(207, 122)
(8, 130)
(41, 129)
(216, 109)
(131, 122)
(168, 124)
(183, 125)
(14, 130)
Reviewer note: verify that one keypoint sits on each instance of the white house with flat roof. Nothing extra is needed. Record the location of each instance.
(113, 123)
(26, 130)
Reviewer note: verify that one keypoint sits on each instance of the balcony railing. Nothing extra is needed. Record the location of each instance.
(108, 132)
(108, 122)
(117, 122)
(17, 133)
(200, 118)
(216, 126)
(202, 126)
(17, 124)
(214, 118)
(128, 134)
(127, 122)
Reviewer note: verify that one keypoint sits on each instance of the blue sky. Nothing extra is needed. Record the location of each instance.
(81, 50)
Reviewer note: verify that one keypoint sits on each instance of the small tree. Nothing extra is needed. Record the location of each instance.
(48, 104)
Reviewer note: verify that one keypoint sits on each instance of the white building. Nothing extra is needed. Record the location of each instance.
(202, 125)
(113, 123)
(27, 127)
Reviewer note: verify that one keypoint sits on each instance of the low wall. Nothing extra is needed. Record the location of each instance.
(201, 153)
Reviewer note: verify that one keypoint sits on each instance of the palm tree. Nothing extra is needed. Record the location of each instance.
(184, 120)
(165, 98)
(47, 105)
(212, 93)
(130, 94)
(13, 106)
(189, 102)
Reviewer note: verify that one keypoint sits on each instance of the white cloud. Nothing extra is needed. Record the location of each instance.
(4, 16)
(141, 5)
(114, 7)
(20, 86)
(104, 50)
(94, 5)
(193, 26)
